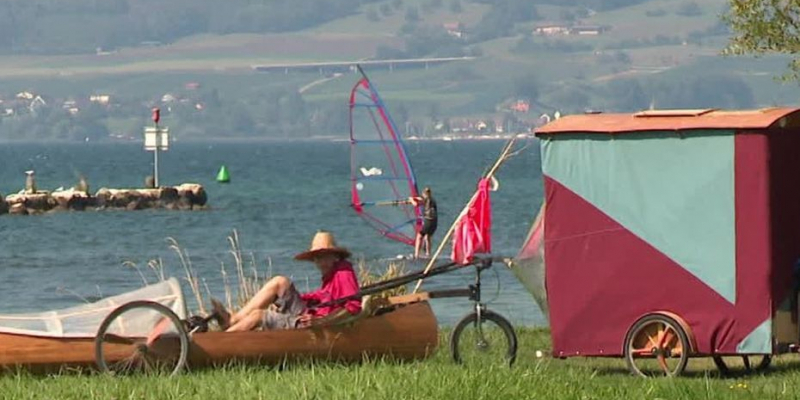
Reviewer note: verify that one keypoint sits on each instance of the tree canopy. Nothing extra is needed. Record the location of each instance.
(766, 26)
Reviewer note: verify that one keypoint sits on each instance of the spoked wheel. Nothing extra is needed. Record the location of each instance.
(141, 336)
(490, 341)
(728, 365)
(656, 345)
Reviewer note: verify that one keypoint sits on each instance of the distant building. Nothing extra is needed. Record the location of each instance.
(25, 96)
(103, 99)
(454, 29)
(168, 98)
(567, 29)
(36, 104)
(588, 30)
(521, 106)
(551, 30)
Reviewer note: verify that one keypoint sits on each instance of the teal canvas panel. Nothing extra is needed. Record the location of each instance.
(674, 191)
(759, 341)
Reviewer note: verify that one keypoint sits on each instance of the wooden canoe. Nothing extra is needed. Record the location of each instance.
(406, 333)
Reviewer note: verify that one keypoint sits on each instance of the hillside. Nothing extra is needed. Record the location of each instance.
(621, 55)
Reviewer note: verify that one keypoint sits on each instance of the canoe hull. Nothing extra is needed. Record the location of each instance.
(407, 333)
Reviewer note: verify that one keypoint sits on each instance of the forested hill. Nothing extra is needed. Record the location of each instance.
(82, 26)
(93, 69)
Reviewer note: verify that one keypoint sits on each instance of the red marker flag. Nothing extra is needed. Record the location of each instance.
(156, 114)
(473, 233)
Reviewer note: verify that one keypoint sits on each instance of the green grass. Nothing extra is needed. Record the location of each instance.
(435, 378)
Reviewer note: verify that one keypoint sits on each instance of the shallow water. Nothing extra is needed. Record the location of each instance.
(280, 194)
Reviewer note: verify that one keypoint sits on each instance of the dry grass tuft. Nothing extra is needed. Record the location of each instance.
(367, 277)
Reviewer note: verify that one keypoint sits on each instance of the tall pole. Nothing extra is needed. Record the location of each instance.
(156, 118)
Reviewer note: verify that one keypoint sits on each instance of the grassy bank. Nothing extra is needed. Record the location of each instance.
(436, 378)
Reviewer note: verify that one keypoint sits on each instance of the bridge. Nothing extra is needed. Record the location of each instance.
(348, 66)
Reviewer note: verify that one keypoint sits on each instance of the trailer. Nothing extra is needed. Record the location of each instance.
(667, 235)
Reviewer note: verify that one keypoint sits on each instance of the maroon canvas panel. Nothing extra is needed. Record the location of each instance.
(753, 257)
(601, 278)
(784, 165)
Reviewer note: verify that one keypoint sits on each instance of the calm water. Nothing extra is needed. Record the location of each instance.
(280, 194)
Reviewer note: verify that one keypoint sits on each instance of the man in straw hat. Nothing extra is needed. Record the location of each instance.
(278, 305)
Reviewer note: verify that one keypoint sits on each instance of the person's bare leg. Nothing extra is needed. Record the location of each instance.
(428, 245)
(265, 296)
(248, 322)
(417, 245)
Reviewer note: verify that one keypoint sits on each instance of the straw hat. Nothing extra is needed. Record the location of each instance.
(322, 244)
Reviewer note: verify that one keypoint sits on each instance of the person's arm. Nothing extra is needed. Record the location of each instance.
(312, 298)
(345, 284)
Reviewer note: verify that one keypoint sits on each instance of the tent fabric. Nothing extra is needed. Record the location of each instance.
(84, 320)
(473, 232)
(528, 265)
(753, 254)
(704, 226)
(674, 193)
(601, 278)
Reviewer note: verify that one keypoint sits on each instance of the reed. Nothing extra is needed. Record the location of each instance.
(242, 277)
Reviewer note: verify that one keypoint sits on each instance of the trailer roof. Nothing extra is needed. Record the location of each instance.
(672, 120)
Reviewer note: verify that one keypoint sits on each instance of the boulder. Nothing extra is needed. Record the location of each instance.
(102, 197)
(194, 192)
(18, 209)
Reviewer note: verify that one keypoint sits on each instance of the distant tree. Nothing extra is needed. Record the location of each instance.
(567, 15)
(689, 9)
(658, 12)
(386, 10)
(412, 14)
(570, 99)
(372, 15)
(431, 5)
(708, 90)
(456, 7)
(626, 95)
(526, 87)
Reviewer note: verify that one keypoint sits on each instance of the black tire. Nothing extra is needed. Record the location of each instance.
(494, 327)
(654, 361)
(748, 366)
(144, 357)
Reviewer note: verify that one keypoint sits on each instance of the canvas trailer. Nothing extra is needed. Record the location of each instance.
(669, 235)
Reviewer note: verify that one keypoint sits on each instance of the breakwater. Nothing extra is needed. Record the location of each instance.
(187, 196)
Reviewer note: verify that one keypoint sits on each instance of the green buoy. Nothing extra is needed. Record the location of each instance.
(222, 175)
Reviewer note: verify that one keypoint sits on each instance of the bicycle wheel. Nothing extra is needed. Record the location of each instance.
(141, 336)
(490, 341)
(656, 345)
(728, 365)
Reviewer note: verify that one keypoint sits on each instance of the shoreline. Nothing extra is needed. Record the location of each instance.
(314, 139)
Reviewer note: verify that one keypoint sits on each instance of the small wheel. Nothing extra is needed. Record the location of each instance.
(656, 345)
(141, 336)
(489, 341)
(748, 363)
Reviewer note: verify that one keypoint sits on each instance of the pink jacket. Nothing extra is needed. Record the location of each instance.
(340, 282)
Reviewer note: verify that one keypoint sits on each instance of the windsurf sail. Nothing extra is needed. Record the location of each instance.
(381, 177)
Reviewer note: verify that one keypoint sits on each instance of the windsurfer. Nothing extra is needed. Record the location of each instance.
(430, 220)
(278, 305)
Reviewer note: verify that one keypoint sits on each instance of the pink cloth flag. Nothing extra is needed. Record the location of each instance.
(473, 233)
